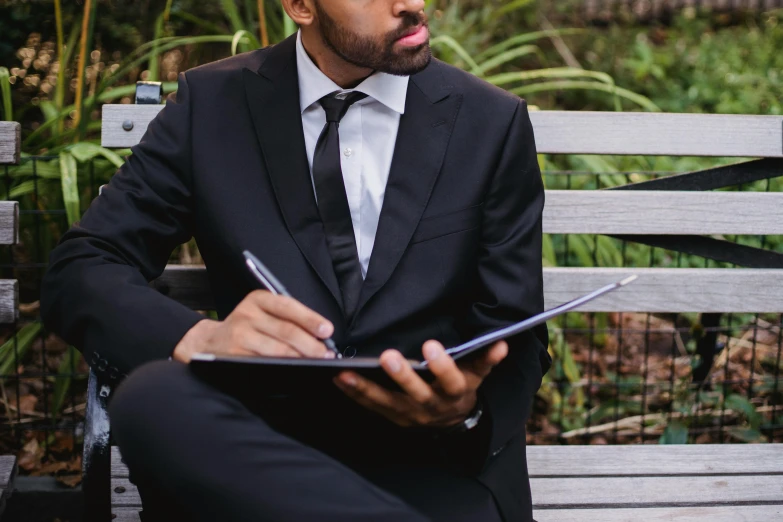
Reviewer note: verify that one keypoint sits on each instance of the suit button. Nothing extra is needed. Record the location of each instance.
(349, 352)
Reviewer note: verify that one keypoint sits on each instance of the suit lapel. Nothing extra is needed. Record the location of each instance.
(422, 139)
(273, 99)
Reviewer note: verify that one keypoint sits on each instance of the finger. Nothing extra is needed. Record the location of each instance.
(369, 394)
(390, 414)
(401, 372)
(290, 334)
(451, 380)
(289, 309)
(267, 346)
(491, 358)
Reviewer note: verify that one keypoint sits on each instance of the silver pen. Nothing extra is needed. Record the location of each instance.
(271, 283)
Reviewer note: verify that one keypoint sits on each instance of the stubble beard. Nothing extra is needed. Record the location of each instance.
(378, 54)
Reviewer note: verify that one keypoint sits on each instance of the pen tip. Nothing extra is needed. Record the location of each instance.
(629, 279)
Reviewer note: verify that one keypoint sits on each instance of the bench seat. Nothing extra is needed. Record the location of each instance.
(681, 483)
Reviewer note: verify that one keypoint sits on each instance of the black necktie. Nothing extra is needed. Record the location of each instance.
(333, 201)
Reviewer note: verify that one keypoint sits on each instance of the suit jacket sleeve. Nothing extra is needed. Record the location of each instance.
(510, 288)
(95, 294)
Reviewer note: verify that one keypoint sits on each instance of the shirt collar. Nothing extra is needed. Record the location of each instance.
(387, 89)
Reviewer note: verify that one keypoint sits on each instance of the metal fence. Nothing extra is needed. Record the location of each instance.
(616, 378)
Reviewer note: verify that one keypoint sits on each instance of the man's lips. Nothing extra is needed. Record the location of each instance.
(416, 36)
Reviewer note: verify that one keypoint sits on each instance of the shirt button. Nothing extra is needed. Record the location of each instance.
(348, 152)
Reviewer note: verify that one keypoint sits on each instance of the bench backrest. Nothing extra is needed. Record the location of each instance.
(649, 216)
(10, 144)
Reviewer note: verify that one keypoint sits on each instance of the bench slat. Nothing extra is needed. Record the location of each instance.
(562, 492)
(126, 514)
(565, 492)
(668, 514)
(9, 300)
(648, 459)
(9, 222)
(674, 459)
(662, 212)
(657, 289)
(577, 132)
(720, 290)
(10, 142)
(8, 471)
(656, 134)
(112, 133)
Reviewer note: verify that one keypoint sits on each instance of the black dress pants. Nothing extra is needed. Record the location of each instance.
(199, 453)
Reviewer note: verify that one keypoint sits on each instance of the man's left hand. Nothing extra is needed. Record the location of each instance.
(445, 402)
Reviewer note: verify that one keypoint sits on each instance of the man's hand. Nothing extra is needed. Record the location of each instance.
(446, 402)
(262, 324)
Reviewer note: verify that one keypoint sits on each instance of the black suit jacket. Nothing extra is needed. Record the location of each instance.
(457, 251)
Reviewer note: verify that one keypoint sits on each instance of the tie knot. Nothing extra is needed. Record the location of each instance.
(336, 104)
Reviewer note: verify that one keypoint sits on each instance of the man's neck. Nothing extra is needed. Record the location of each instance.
(344, 74)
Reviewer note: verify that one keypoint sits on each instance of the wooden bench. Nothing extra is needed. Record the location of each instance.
(10, 143)
(585, 483)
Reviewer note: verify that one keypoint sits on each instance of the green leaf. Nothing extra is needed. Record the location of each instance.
(504, 57)
(5, 94)
(640, 100)
(63, 382)
(450, 42)
(70, 186)
(523, 39)
(675, 433)
(243, 37)
(86, 151)
(746, 434)
(745, 407)
(10, 358)
(513, 6)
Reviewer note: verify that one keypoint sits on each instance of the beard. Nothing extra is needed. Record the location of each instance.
(376, 53)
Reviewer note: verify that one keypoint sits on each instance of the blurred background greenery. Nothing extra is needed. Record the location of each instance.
(60, 61)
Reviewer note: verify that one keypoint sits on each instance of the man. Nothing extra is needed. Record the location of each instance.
(399, 200)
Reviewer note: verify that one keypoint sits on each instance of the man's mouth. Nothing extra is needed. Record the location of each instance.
(415, 36)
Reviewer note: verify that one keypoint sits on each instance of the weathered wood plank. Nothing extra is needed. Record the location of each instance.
(722, 290)
(662, 212)
(654, 134)
(112, 132)
(670, 459)
(627, 460)
(124, 493)
(9, 222)
(8, 471)
(563, 492)
(573, 132)
(10, 142)
(668, 514)
(186, 284)
(9, 300)
(126, 514)
(656, 290)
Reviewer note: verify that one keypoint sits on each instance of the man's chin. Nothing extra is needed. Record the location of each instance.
(410, 61)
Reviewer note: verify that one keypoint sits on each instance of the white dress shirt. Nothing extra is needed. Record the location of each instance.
(368, 133)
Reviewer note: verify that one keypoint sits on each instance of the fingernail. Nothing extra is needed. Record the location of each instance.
(394, 364)
(432, 352)
(329, 355)
(324, 330)
(350, 380)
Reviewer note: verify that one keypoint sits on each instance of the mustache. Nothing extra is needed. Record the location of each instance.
(409, 21)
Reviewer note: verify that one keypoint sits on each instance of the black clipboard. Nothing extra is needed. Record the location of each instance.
(288, 375)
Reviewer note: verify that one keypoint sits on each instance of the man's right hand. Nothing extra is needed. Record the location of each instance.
(262, 324)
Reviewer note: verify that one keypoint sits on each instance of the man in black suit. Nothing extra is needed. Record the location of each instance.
(399, 199)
